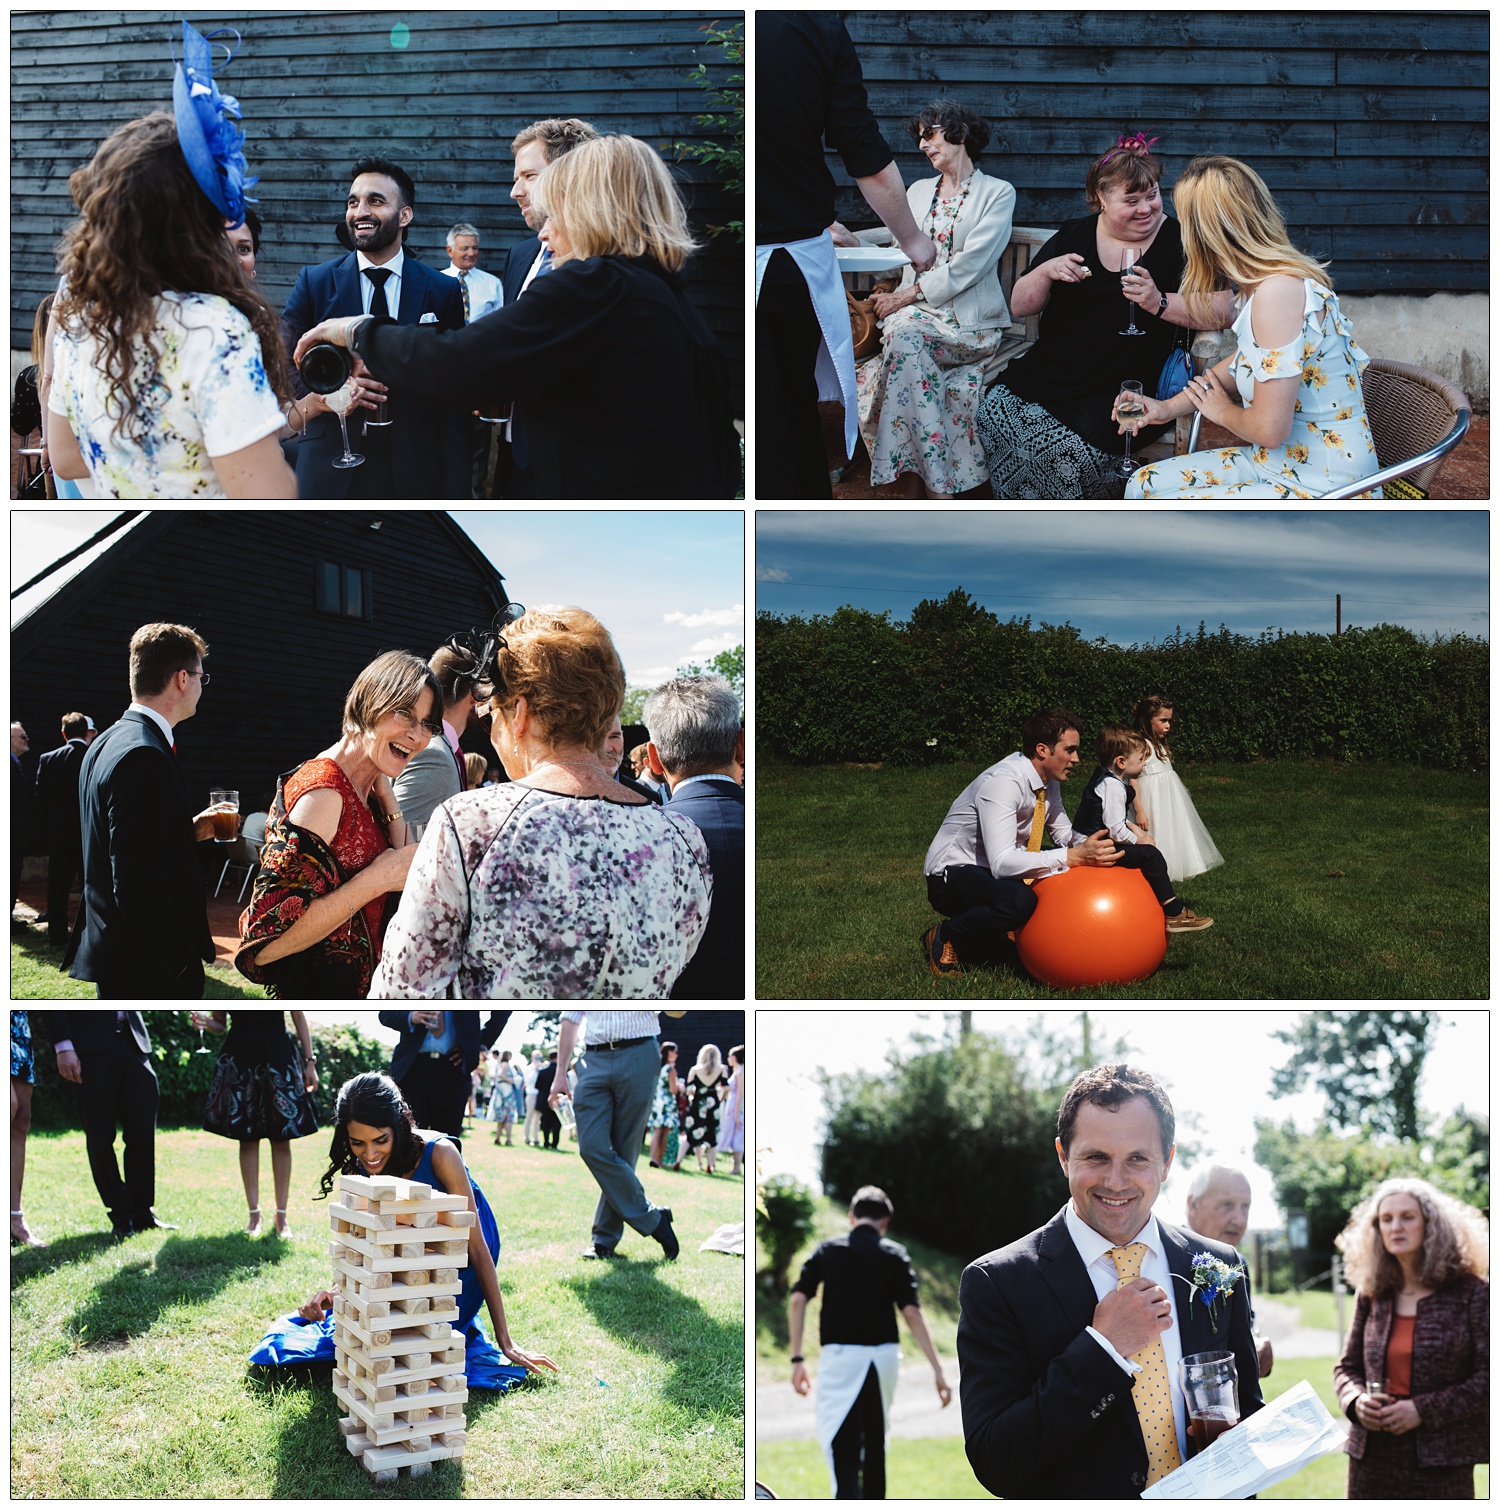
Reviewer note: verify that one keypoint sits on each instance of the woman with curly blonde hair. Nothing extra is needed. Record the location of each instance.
(1292, 388)
(1415, 1375)
(168, 361)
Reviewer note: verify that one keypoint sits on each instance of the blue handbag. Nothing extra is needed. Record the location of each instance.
(1177, 371)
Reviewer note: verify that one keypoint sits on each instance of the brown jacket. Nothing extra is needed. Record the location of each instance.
(1450, 1371)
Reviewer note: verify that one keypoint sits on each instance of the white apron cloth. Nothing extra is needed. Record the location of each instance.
(819, 265)
(842, 1367)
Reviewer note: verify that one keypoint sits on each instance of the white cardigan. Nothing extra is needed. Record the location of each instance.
(971, 281)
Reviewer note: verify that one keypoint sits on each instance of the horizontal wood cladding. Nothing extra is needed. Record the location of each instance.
(321, 89)
(1370, 127)
(245, 581)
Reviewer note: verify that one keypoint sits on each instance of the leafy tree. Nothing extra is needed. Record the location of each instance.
(548, 1025)
(959, 1135)
(784, 1213)
(1366, 1063)
(730, 664)
(1461, 1158)
(725, 119)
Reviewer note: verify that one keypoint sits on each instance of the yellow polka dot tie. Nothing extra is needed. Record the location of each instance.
(1152, 1387)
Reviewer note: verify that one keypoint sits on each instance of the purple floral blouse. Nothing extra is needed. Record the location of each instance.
(530, 895)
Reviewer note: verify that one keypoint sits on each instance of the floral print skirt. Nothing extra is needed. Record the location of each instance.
(918, 399)
(250, 1099)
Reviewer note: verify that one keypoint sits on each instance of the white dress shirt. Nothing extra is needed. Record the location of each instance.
(392, 284)
(1093, 1249)
(486, 291)
(156, 717)
(604, 1026)
(990, 824)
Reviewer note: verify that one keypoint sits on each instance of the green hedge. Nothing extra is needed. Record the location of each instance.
(954, 682)
(340, 1051)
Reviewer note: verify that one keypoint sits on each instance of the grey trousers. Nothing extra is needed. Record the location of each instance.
(611, 1102)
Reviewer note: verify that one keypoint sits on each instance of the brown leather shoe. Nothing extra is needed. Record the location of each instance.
(944, 963)
(1188, 921)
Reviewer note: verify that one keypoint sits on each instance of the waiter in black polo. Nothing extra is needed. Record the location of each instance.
(866, 1279)
(435, 1060)
(810, 89)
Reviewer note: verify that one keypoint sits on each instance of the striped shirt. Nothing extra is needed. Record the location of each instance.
(606, 1026)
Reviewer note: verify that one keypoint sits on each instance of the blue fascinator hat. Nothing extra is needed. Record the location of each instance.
(208, 128)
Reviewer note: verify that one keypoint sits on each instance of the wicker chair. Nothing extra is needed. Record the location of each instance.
(1416, 419)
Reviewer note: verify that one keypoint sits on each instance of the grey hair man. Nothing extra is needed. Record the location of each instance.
(1218, 1206)
(696, 736)
(483, 292)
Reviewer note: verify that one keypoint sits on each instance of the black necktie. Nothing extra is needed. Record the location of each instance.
(378, 276)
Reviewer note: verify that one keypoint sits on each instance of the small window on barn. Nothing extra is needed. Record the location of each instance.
(344, 590)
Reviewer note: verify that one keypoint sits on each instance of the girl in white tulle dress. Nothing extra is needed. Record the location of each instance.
(1163, 802)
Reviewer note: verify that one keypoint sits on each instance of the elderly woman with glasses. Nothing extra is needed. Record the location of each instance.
(562, 884)
(336, 844)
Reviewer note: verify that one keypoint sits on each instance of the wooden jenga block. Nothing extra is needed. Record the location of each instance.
(464, 1218)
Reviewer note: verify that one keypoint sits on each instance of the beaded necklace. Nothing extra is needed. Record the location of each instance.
(957, 210)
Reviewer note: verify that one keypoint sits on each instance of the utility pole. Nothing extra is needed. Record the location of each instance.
(1338, 614)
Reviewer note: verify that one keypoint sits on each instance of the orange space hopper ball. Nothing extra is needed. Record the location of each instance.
(1093, 925)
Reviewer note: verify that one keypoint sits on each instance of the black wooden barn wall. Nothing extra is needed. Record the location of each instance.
(245, 581)
(1371, 128)
(320, 89)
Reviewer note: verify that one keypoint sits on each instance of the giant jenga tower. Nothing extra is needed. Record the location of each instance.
(398, 1364)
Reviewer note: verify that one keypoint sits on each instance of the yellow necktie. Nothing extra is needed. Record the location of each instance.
(1152, 1387)
(1038, 821)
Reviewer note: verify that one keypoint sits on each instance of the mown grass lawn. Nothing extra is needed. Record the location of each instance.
(36, 974)
(129, 1372)
(1353, 882)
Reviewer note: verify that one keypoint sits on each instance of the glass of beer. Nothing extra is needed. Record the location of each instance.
(225, 805)
(1210, 1386)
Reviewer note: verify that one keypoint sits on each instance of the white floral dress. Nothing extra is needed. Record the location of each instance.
(206, 395)
(1330, 443)
(532, 895)
(920, 393)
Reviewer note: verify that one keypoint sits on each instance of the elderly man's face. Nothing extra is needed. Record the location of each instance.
(464, 250)
(1222, 1212)
(19, 743)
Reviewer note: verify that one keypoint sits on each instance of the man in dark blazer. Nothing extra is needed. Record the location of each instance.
(1069, 1372)
(697, 736)
(58, 822)
(435, 1059)
(425, 451)
(107, 1056)
(142, 927)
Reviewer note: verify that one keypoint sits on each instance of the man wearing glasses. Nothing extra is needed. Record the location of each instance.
(142, 929)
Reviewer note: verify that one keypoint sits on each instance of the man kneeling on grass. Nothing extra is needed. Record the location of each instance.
(988, 853)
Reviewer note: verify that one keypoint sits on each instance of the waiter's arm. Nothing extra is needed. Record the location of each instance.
(795, 1316)
(918, 1324)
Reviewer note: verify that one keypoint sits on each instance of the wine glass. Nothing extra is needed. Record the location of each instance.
(1131, 412)
(339, 401)
(196, 1018)
(1128, 259)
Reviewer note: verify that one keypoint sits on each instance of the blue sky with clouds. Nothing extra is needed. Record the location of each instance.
(1133, 576)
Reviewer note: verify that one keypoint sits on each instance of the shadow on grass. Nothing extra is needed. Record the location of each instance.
(27, 1264)
(183, 1270)
(632, 1303)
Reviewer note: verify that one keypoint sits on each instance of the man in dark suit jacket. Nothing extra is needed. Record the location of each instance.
(435, 1059)
(142, 928)
(1065, 1362)
(58, 821)
(425, 452)
(107, 1056)
(697, 736)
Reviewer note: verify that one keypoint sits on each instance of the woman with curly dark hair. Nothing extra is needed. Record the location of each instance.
(918, 396)
(375, 1133)
(169, 363)
(1415, 1375)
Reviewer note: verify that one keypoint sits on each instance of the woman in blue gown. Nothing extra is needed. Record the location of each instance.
(375, 1133)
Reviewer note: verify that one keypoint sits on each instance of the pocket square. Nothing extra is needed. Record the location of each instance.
(428, 319)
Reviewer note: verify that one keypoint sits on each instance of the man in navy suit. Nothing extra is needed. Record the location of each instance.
(697, 735)
(142, 928)
(435, 1060)
(424, 452)
(540, 143)
(58, 822)
(1069, 1339)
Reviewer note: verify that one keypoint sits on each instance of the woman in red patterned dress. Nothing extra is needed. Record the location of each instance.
(336, 843)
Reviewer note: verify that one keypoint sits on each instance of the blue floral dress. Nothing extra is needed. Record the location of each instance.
(1330, 443)
(21, 1061)
(663, 1103)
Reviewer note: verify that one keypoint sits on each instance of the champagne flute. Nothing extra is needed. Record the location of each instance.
(339, 401)
(1128, 259)
(196, 1018)
(1130, 409)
